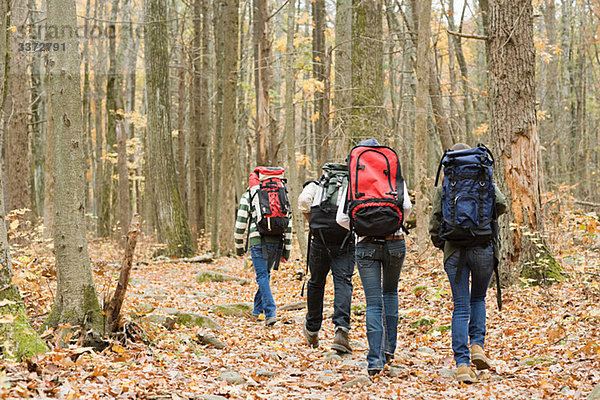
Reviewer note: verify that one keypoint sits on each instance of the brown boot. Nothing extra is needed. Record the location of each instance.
(478, 357)
(466, 374)
(312, 338)
(341, 343)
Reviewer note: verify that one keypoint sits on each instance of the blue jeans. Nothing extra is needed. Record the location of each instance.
(379, 265)
(322, 258)
(468, 317)
(263, 300)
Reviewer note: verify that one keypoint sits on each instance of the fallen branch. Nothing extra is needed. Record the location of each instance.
(113, 307)
(203, 258)
(466, 35)
(587, 203)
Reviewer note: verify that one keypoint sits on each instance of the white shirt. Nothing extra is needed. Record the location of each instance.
(311, 196)
(344, 219)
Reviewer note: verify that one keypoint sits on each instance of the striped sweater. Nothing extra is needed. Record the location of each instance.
(241, 223)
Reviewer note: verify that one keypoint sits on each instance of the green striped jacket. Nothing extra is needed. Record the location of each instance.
(241, 224)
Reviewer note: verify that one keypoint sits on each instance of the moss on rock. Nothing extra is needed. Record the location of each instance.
(233, 309)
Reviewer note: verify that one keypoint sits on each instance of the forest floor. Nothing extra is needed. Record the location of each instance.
(545, 342)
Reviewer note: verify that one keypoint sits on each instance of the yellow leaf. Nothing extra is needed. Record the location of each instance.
(118, 349)
(14, 224)
(6, 302)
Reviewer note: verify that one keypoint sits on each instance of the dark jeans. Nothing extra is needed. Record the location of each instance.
(263, 300)
(341, 263)
(379, 265)
(468, 317)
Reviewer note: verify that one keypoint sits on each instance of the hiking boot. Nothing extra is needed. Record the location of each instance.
(373, 372)
(312, 338)
(466, 374)
(340, 342)
(270, 321)
(478, 357)
(389, 358)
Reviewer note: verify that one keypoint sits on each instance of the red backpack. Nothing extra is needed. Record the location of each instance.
(375, 191)
(269, 204)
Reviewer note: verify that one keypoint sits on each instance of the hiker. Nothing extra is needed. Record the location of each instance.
(376, 204)
(330, 248)
(264, 213)
(464, 225)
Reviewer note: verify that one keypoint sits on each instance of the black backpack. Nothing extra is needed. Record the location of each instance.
(322, 221)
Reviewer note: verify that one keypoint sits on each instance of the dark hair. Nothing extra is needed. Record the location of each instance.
(460, 146)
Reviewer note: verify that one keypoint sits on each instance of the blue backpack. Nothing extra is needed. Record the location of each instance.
(469, 203)
(468, 197)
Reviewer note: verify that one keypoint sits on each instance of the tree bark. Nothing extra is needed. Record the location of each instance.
(18, 337)
(99, 76)
(342, 99)
(38, 126)
(171, 220)
(421, 115)
(76, 303)
(123, 170)
(17, 110)
(266, 128)
(367, 71)
(516, 143)
(318, 65)
(290, 127)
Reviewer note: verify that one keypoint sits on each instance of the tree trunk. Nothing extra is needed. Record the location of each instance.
(516, 143)
(99, 75)
(38, 125)
(318, 65)
(124, 194)
(171, 220)
(342, 100)
(76, 303)
(290, 127)
(228, 162)
(265, 123)
(112, 96)
(421, 129)
(18, 337)
(367, 71)
(16, 113)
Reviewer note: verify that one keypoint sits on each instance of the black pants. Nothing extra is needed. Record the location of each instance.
(340, 261)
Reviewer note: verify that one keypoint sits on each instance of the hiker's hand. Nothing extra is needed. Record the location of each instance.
(284, 260)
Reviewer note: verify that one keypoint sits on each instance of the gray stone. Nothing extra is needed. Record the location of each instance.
(167, 310)
(357, 344)
(595, 393)
(447, 372)
(332, 356)
(351, 362)
(168, 321)
(359, 380)
(210, 340)
(232, 377)
(565, 390)
(193, 319)
(396, 371)
(326, 379)
(212, 276)
(232, 309)
(426, 350)
(251, 355)
(213, 397)
(299, 305)
(265, 373)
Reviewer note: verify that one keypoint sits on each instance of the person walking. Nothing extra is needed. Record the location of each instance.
(330, 249)
(264, 213)
(376, 203)
(464, 225)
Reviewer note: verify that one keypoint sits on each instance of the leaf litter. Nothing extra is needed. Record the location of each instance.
(545, 342)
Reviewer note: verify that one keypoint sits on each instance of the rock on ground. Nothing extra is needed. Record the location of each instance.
(212, 276)
(232, 377)
(233, 309)
(210, 340)
(595, 393)
(362, 379)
